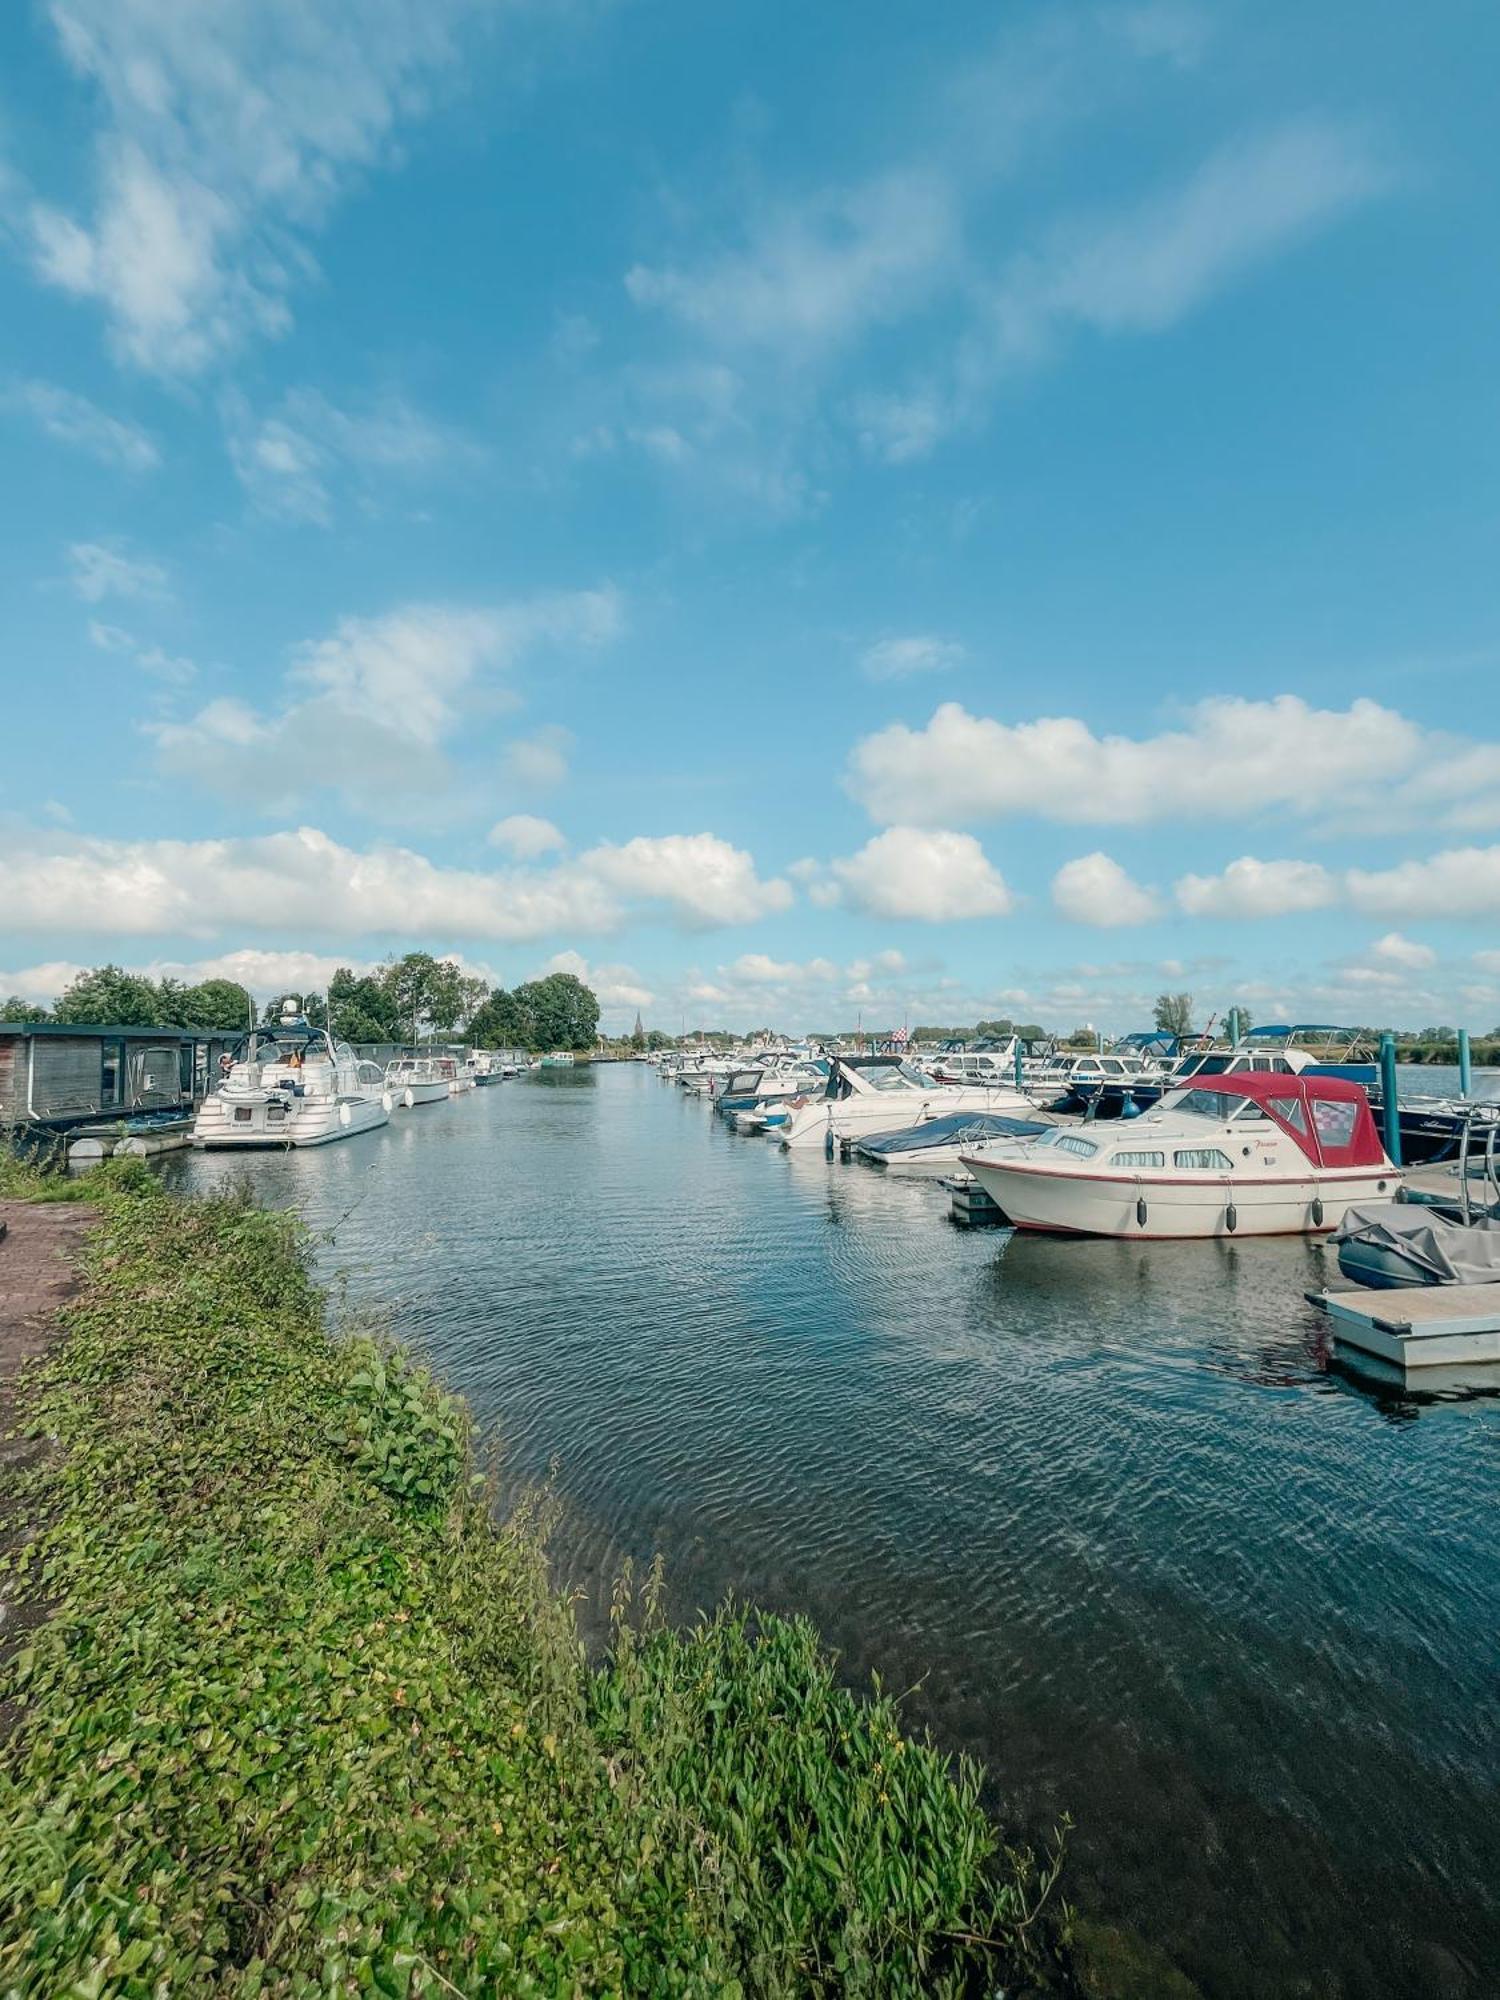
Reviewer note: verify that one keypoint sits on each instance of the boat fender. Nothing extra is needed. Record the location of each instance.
(1231, 1218)
(828, 1143)
(407, 1098)
(345, 1114)
(1140, 1210)
(1317, 1211)
(388, 1101)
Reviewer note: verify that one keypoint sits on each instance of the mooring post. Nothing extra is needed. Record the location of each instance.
(1465, 1064)
(1390, 1109)
(1020, 1064)
(1234, 1027)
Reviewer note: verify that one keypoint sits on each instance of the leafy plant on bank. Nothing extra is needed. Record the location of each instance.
(304, 1719)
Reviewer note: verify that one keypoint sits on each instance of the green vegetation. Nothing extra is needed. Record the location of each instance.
(110, 996)
(558, 1012)
(304, 1719)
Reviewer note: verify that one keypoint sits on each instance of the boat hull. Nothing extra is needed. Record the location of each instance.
(224, 1126)
(427, 1090)
(1033, 1197)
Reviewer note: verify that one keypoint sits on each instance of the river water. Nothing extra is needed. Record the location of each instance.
(1107, 1508)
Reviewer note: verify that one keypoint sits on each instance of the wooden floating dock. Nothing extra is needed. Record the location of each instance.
(1418, 1326)
(971, 1207)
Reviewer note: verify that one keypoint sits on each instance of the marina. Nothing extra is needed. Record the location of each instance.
(1120, 1513)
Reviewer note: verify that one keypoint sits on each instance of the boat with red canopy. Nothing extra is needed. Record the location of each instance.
(1238, 1155)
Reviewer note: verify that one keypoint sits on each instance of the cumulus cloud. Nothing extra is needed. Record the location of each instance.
(921, 653)
(73, 420)
(304, 881)
(1232, 758)
(525, 836)
(926, 873)
(1251, 888)
(1458, 883)
(221, 149)
(107, 569)
(368, 710)
(704, 879)
(539, 761)
(1397, 950)
(1095, 889)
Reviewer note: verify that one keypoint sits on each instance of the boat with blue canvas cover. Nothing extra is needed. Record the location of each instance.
(936, 1147)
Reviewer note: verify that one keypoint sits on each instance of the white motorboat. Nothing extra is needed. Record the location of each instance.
(413, 1080)
(869, 1094)
(290, 1084)
(456, 1075)
(1247, 1155)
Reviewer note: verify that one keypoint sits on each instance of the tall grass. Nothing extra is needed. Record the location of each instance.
(306, 1718)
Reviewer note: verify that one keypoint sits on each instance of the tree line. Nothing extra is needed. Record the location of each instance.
(406, 1000)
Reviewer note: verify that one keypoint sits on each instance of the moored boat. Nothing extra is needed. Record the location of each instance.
(290, 1084)
(413, 1080)
(1246, 1155)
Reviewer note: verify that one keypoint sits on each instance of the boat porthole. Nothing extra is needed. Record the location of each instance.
(1380, 1187)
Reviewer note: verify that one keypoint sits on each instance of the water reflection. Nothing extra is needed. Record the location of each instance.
(1107, 1504)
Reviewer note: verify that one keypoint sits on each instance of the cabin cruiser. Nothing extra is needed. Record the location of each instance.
(456, 1075)
(1248, 1155)
(290, 1084)
(937, 1146)
(1111, 1086)
(869, 1094)
(746, 1089)
(487, 1068)
(992, 1066)
(412, 1080)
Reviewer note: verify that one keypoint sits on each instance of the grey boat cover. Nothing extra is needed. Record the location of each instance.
(1443, 1252)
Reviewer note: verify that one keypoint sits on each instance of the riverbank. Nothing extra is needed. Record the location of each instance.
(302, 1716)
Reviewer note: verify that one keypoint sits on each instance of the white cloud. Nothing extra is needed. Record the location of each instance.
(40, 984)
(1464, 882)
(106, 569)
(72, 419)
(811, 274)
(290, 459)
(1458, 883)
(1251, 888)
(1487, 961)
(1397, 950)
(525, 836)
(153, 660)
(702, 878)
(756, 968)
(921, 653)
(368, 709)
(1095, 889)
(1231, 759)
(539, 761)
(303, 881)
(928, 874)
(227, 137)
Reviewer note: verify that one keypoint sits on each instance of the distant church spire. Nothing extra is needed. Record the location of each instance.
(638, 1032)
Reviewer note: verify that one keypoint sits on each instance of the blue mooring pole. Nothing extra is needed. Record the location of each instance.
(1465, 1065)
(1020, 1066)
(1234, 1027)
(1390, 1108)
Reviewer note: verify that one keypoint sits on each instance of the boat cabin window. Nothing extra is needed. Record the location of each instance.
(1248, 1112)
(1334, 1118)
(1289, 1110)
(1215, 1104)
(1137, 1159)
(1068, 1142)
(1204, 1159)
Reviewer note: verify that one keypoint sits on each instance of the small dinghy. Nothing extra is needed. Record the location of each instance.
(1390, 1245)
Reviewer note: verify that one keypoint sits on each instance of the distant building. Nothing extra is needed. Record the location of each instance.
(638, 1032)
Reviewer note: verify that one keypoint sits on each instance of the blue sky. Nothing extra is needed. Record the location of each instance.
(800, 512)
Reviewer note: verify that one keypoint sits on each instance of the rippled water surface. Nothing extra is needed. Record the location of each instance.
(1143, 1550)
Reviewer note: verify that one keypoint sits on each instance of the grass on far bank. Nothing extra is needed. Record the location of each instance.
(305, 1718)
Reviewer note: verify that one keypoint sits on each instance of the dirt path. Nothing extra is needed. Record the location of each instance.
(38, 1258)
(38, 1252)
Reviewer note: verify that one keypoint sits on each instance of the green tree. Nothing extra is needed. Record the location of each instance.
(564, 1012)
(109, 996)
(500, 1023)
(216, 1003)
(1174, 1013)
(424, 990)
(361, 1009)
(14, 1008)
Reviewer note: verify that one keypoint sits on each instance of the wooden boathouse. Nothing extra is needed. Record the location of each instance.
(61, 1074)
